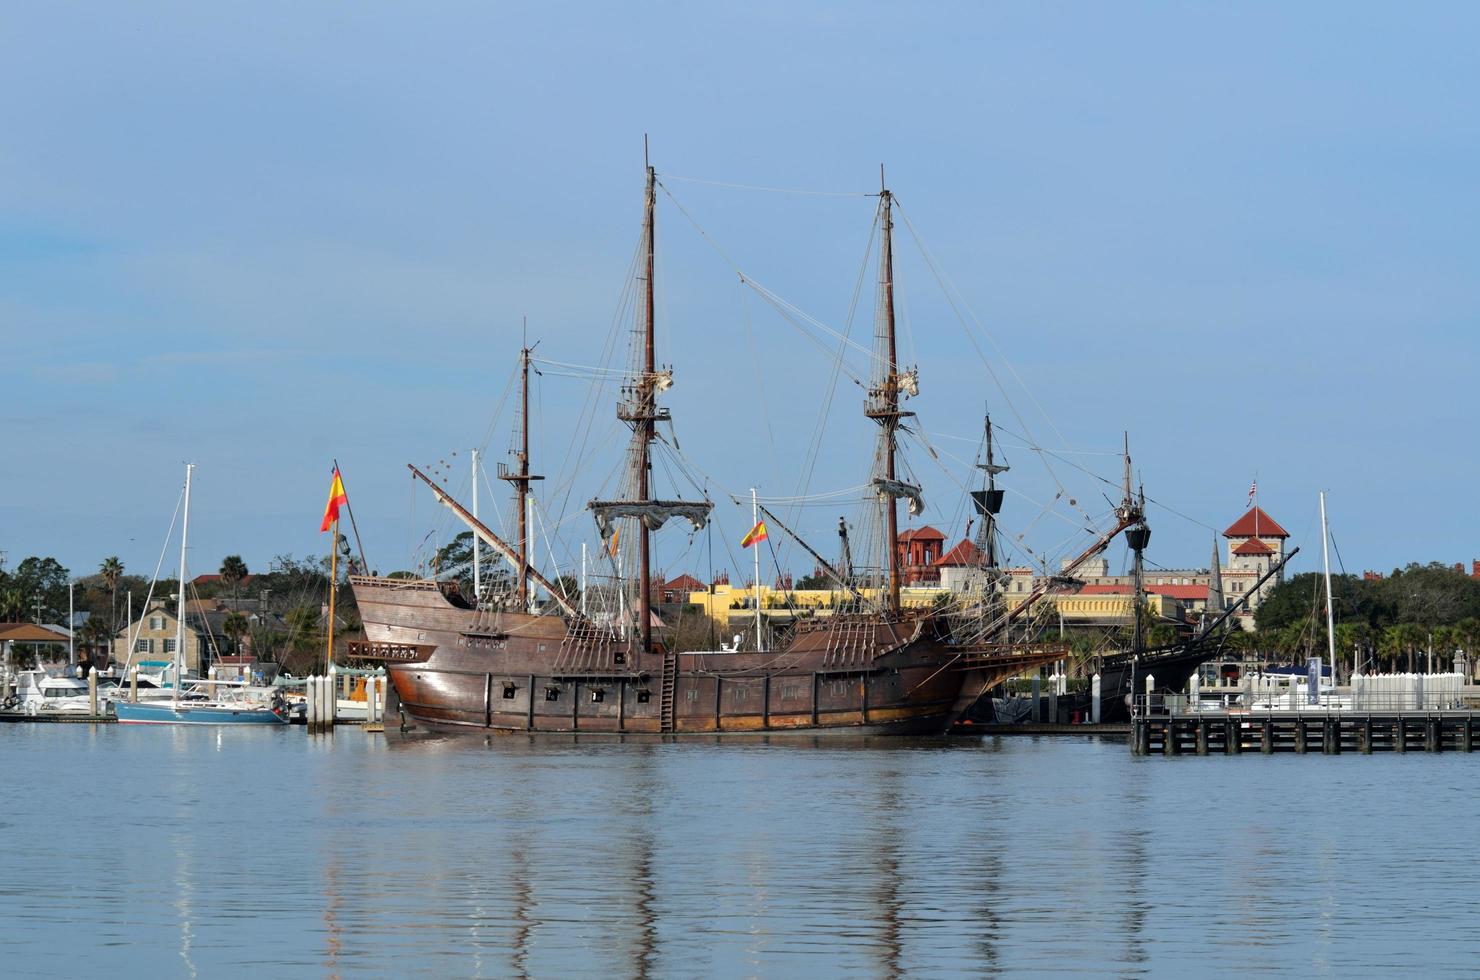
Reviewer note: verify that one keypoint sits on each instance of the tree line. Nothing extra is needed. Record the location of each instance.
(277, 614)
(1389, 623)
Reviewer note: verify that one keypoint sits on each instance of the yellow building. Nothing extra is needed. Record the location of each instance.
(736, 605)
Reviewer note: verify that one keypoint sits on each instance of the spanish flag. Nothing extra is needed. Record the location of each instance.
(612, 544)
(336, 498)
(756, 536)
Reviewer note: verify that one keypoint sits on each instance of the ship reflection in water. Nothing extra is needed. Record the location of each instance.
(502, 856)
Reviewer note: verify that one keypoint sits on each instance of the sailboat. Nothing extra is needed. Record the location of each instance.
(468, 664)
(228, 707)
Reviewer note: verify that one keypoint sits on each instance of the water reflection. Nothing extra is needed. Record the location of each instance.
(816, 857)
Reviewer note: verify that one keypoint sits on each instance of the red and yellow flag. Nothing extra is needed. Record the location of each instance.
(757, 535)
(336, 498)
(612, 544)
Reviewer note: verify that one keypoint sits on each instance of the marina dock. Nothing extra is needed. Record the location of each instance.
(1235, 732)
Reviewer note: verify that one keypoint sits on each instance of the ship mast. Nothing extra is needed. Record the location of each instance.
(638, 407)
(883, 404)
(988, 502)
(643, 427)
(521, 478)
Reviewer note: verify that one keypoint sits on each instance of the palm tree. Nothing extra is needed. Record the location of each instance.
(1467, 635)
(1351, 637)
(96, 633)
(12, 604)
(233, 572)
(112, 570)
(234, 626)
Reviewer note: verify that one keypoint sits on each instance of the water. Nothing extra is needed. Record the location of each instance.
(185, 852)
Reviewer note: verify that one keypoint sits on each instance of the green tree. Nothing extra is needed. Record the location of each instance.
(233, 573)
(41, 581)
(112, 570)
(12, 603)
(96, 632)
(1353, 639)
(234, 625)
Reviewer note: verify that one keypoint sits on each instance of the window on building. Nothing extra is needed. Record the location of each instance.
(156, 623)
(143, 646)
(169, 646)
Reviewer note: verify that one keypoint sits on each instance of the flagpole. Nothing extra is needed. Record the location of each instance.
(755, 519)
(333, 578)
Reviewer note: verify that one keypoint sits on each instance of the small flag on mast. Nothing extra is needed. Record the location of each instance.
(336, 498)
(757, 534)
(1253, 492)
(612, 545)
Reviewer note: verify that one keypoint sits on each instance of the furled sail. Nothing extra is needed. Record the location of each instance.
(897, 488)
(653, 513)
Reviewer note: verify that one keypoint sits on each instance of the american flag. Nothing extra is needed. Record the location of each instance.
(1253, 491)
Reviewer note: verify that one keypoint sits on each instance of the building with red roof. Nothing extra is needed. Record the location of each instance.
(957, 568)
(1255, 524)
(919, 548)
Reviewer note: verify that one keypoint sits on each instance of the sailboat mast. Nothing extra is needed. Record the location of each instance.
(180, 605)
(891, 400)
(645, 424)
(1330, 614)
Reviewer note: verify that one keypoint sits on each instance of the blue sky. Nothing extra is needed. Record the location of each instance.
(261, 236)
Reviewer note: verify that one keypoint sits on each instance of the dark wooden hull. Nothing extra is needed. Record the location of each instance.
(456, 669)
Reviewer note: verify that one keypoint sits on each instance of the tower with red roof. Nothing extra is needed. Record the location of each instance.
(1256, 542)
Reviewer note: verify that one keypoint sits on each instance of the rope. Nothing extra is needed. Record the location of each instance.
(768, 190)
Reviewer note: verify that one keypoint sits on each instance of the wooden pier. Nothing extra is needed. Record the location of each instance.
(58, 718)
(1301, 732)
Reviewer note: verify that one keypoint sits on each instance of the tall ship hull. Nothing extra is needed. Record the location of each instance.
(457, 668)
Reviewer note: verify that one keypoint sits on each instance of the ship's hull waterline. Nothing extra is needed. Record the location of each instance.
(457, 669)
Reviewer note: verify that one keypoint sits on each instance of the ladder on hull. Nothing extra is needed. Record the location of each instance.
(670, 683)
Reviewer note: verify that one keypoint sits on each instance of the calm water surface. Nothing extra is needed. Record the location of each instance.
(185, 852)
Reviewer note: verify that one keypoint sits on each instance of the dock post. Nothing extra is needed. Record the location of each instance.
(1433, 733)
(1466, 741)
(133, 683)
(331, 695)
(1299, 735)
(1233, 734)
(1400, 734)
(92, 693)
(1266, 738)
(1169, 744)
(1094, 699)
(1202, 736)
(1333, 735)
(1141, 743)
(1364, 735)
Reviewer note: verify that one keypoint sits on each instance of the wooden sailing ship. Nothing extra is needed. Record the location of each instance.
(466, 664)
